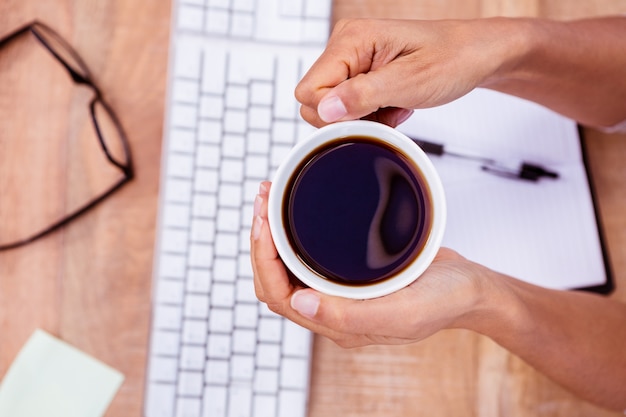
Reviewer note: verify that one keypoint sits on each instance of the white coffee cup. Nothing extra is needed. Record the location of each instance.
(308, 148)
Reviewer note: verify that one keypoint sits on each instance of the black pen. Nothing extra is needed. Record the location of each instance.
(524, 171)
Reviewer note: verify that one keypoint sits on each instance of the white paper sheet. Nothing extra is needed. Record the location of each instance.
(543, 232)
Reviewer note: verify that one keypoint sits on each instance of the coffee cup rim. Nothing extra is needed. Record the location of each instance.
(294, 159)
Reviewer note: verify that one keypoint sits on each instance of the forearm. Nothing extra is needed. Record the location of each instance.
(577, 339)
(577, 68)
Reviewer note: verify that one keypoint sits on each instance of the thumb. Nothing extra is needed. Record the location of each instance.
(372, 93)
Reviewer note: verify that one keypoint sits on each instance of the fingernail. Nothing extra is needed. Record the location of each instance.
(305, 303)
(256, 227)
(262, 189)
(258, 201)
(331, 109)
(404, 116)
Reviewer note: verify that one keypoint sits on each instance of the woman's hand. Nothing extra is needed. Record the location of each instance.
(379, 69)
(447, 295)
(382, 69)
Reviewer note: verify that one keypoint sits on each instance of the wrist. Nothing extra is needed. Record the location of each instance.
(510, 44)
(496, 310)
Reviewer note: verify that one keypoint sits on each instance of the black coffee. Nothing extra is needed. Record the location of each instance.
(358, 211)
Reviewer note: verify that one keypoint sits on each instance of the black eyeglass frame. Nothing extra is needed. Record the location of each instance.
(39, 30)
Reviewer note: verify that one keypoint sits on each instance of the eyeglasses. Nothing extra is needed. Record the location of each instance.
(108, 130)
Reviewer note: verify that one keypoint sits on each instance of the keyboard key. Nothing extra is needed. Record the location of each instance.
(165, 343)
(188, 407)
(182, 140)
(214, 401)
(228, 218)
(184, 115)
(261, 93)
(202, 230)
(245, 291)
(167, 317)
(294, 373)
(204, 205)
(268, 355)
(232, 171)
(189, 17)
(180, 165)
(200, 255)
(296, 340)
(266, 381)
(244, 341)
(237, 97)
(240, 401)
(226, 244)
(217, 371)
(212, 107)
(278, 154)
(270, 329)
(196, 306)
(199, 280)
(243, 5)
(256, 167)
(245, 266)
(187, 60)
(192, 358)
(291, 404)
(264, 406)
(260, 118)
(214, 72)
(172, 266)
(292, 8)
(221, 320)
(246, 316)
(160, 400)
(218, 346)
(170, 291)
(285, 105)
(259, 142)
(242, 25)
(230, 195)
(233, 146)
(206, 181)
(235, 121)
(284, 131)
(176, 215)
(190, 383)
(242, 367)
(185, 91)
(208, 156)
(178, 190)
(316, 8)
(223, 295)
(195, 331)
(210, 131)
(217, 21)
(225, 270)
(163, 369)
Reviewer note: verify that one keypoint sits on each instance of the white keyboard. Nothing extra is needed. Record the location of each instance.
(230, 118)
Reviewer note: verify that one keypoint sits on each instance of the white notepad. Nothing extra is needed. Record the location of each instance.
(543, 232)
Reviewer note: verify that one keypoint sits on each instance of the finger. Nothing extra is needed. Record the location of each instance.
(310, 115)
(391, 116)
(263, 251)
(388, 316)
(366, 93)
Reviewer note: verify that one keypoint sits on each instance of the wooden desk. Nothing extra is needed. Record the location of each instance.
(90, 283)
